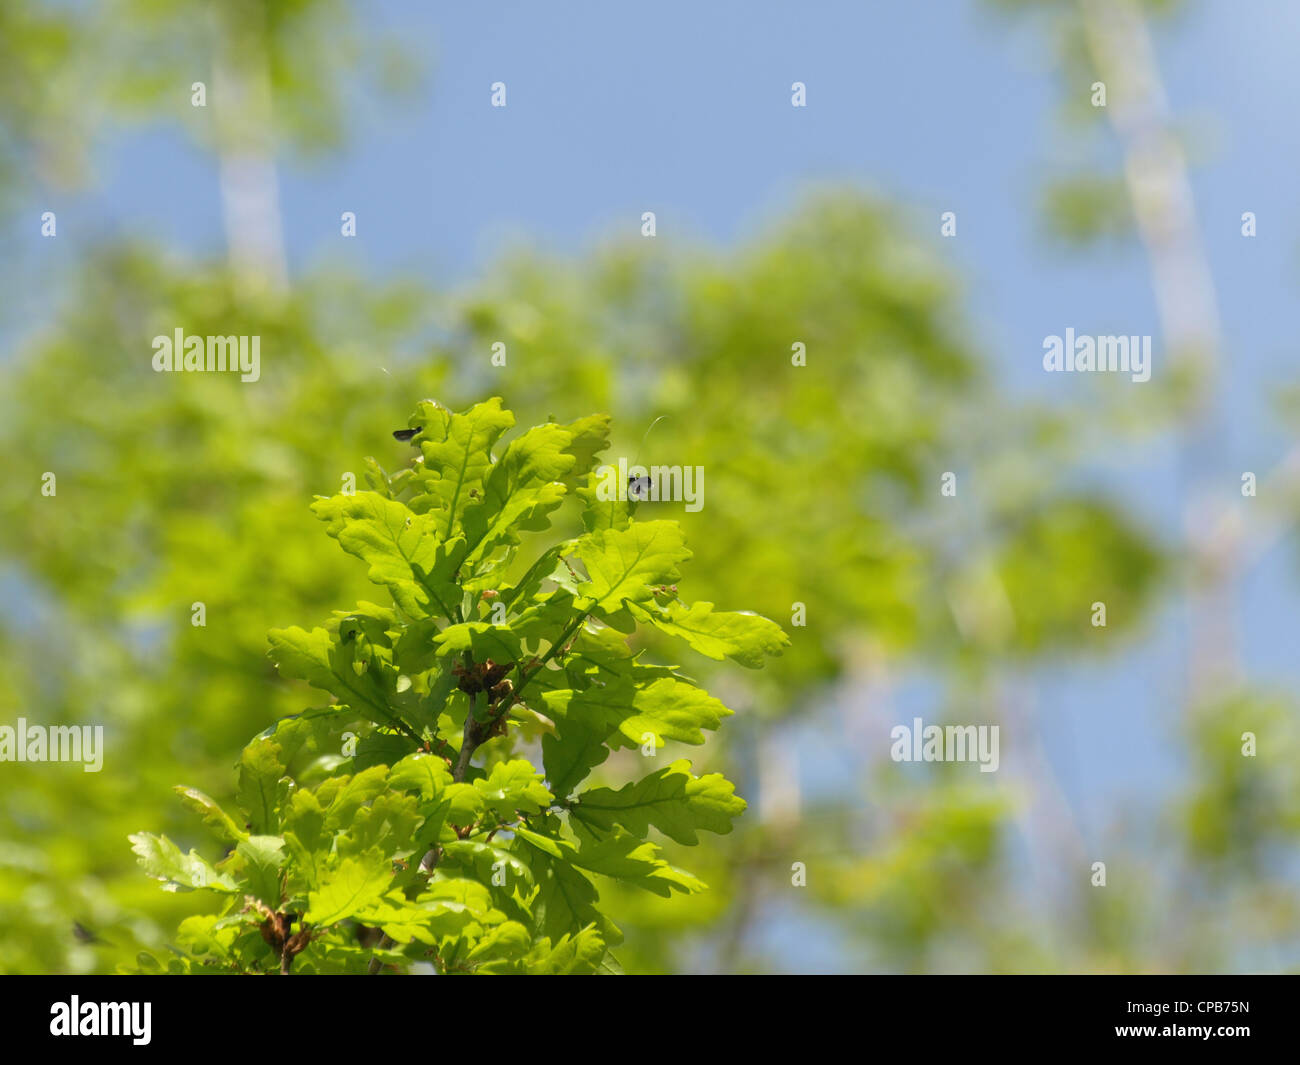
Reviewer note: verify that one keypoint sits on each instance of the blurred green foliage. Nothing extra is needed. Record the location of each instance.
(822, 488)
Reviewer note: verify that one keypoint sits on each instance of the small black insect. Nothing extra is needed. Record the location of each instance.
(406, 434)
(638, 487)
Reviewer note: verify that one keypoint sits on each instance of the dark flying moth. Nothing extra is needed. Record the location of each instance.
(406, 434)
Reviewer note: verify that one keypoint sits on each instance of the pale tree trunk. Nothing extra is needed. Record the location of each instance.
(1156, 174)
(245, 144)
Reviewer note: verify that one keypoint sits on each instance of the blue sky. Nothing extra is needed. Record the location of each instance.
(684, 109)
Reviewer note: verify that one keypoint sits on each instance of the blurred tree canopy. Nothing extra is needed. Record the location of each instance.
(822, 488)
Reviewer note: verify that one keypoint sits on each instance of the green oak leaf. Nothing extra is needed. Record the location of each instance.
(513, 787)
(742, 636)
(627, 564)
(408, 553)
(456, 462)
(667, 708)
(213, 815)
(521, 490)
(426, 773)
(566, 899)
(163, 860)
(262, 785)
(636, 861)
(332, 665)
(604, 510)
(263, 857)
(574, 954)
(674, 801)
(572, 753)
(355, 883)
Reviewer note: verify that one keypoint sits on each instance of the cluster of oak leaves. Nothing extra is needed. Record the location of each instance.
(367, 839)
